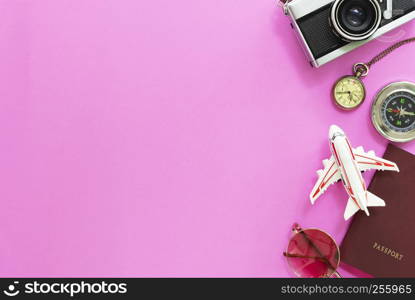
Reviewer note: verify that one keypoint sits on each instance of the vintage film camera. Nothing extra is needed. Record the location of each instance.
(328, 29)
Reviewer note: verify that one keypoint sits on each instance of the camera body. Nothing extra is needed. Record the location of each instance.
(328, 29)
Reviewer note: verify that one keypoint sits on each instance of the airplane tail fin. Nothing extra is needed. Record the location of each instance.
(373, 200)
(362, 199)
(351, 209)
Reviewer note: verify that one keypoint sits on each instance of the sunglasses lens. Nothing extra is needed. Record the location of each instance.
(313, 253)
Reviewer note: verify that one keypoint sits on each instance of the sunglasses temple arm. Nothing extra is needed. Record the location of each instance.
(318, 251)
(304, 256)
(336, 275)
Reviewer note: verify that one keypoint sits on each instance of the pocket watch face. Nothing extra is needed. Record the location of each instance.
(393, 112)
(349, 92)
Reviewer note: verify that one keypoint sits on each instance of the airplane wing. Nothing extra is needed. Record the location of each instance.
(368, 161)
(326, 177)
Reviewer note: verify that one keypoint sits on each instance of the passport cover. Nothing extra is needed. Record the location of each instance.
(383, 244)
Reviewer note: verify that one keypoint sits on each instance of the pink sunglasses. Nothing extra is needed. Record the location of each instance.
(312, 253)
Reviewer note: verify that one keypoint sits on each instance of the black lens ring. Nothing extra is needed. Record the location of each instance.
(370, 17)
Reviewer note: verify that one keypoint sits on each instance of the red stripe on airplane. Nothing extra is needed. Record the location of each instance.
(376, 162)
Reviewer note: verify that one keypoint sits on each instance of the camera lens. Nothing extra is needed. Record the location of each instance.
(356, 16)
(355, 20)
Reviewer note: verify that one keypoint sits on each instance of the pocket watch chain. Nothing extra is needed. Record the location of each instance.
(362, 69)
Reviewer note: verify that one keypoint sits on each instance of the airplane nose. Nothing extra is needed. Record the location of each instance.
(333, 130)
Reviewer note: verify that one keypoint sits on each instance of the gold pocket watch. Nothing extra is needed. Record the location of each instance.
(349, 91)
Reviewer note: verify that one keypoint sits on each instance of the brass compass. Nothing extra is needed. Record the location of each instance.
(393, 112)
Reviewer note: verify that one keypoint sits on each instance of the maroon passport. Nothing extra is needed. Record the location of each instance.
(383, 244)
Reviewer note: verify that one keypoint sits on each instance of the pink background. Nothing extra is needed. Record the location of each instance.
(167, 138)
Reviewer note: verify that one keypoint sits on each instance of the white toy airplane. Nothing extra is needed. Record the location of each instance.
(347, 164)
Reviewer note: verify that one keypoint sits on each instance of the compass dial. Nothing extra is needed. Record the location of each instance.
(393, 112)
(398, 112)
(349, 92)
